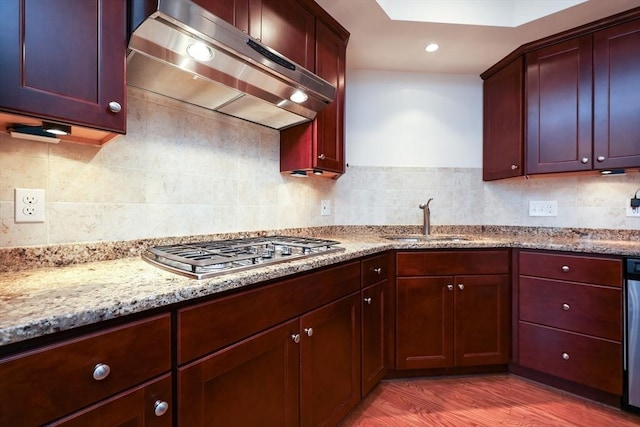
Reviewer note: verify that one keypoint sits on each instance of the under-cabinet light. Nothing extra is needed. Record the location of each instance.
(56, 128)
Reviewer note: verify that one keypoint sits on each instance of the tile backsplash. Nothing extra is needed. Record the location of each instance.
(182, 170)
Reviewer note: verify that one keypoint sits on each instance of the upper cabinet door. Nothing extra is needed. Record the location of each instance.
(616, 127)
(64, 60)
(559, 113)
(503, 133)
(286, 26)
(329, 123)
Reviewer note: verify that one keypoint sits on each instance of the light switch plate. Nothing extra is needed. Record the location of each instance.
(325, 207)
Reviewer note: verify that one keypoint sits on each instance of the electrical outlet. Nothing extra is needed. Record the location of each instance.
(543, 208)
(631, 211)
(29, 205)
(325, 207)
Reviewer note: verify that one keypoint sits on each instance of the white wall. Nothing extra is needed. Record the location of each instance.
(411, 119)
(413, 136)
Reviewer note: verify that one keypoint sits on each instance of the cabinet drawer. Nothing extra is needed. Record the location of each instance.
(209, 326)
(574, 268)
(593, 362)
(139, 406)
(374, 270)
(452, 263)
(588, 309)
(47, 383)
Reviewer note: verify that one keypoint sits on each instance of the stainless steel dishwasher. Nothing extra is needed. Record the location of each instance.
(631, 399)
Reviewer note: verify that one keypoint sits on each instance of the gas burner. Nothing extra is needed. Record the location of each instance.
(208, 259)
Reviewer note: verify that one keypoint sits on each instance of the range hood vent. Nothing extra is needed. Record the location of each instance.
(242, 78)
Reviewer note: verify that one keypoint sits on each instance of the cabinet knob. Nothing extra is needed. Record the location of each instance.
(160, 407)
(566, 307)
(322, 157)
(295, 338)
(101, 371)
(601, 158)
(308, 331)
(460, 286)
(514, 167)
(450, 287)
(115, 107)
(565, 268)
(377, 270)
(565, 356)
(584, 160)
(368, 300)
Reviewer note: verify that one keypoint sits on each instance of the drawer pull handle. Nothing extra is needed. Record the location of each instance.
(377, 270)
(450, 287)
(296, 338)
(308, 331)
(460, 286)
(368, 300)
(101, 371)
(566, 307)
(160, 407)
(565, 356)
(565, 268)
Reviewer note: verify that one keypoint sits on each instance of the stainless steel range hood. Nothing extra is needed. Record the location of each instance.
(243, 78)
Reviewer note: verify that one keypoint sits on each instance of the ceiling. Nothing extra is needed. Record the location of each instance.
(379, 43)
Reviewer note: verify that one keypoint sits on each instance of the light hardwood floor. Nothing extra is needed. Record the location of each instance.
(492, 400)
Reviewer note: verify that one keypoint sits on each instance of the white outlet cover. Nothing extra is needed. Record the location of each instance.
(29, 205)
(633, 211)
(543, 208)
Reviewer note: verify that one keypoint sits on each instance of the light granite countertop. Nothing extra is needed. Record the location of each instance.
(37, 301)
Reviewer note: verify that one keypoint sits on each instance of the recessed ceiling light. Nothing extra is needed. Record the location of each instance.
(432, 47)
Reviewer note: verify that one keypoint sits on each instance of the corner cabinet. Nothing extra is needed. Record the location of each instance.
(580, 102)
(64, 60)
(503, 128)
(453, 309)
(317, 147)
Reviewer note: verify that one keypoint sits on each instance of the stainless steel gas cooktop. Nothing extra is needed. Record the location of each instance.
(208, 259)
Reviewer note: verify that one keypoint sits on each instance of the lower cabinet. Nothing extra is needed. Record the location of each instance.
(303, 372)
(104, 378)
(378, 322)
(570, 318)
(147, 405)
(453, 309)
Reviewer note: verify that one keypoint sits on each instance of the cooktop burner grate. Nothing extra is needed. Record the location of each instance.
(207, 259)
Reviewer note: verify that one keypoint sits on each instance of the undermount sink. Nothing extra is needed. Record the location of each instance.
(414, 238)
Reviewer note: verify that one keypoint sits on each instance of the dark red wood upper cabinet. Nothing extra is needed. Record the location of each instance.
(319, 145)
(286, 26)
(503, 125)
(616, 103)
(235, 12)
(64, 60)
(559, 111)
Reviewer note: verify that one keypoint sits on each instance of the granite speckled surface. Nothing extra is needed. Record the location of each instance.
(55, 289)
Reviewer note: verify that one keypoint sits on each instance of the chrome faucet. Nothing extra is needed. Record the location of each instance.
(426, 227)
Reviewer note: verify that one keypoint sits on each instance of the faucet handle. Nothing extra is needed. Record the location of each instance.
(425, 205)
